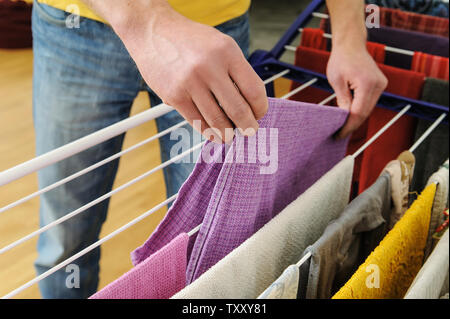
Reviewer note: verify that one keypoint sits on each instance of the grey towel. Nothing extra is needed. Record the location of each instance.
(347, 241)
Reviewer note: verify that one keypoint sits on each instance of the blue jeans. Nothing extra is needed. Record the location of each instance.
(84, 80)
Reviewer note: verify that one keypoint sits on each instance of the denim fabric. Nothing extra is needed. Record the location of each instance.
(84, 80)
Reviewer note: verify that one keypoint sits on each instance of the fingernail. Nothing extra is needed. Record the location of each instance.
(248, 131)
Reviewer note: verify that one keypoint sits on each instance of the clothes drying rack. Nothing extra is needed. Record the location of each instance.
(268, 67)
(267, 63)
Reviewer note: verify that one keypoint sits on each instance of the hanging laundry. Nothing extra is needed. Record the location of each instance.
(377, 51)
(313, 59)
(254, 265)
(313, 38)
(409, 21)
(413, 21)
(159, 276)
(431, 65)
(347, 242)
(435, 149)
(407, 40)
(285, 287)
(432, 280)
(233, 199)
(436, 8)
(390, 269)
(399, 137)
(401, 172)
(440, 202)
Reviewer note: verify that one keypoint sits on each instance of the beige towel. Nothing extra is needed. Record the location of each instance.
(439, 205)
(432, 278)
(254, 265)
(401, 171)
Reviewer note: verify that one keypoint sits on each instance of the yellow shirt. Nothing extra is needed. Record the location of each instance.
(391, 268)
(210, 12)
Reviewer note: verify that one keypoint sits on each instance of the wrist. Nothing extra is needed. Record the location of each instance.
(350, 41)
(136, 16)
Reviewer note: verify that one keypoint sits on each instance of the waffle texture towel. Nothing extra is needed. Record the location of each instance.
(390, 269)
(347, 241)
(159, 276)
(233, 199)
(432, 279)
(253, 266)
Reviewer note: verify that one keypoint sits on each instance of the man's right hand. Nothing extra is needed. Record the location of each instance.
(198, 70)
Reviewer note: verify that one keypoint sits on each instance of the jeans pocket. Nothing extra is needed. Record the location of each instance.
(56, 16)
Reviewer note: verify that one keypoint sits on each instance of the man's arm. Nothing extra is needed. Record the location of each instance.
(192, 67)
(350, 66)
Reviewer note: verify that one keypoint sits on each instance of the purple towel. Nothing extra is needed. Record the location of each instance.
(232, 201)
(407, 40)
(160, 276)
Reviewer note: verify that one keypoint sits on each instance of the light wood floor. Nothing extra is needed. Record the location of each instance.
(17, 146)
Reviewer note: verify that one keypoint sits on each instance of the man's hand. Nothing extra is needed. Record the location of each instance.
(355, 70)
(198, 70)
(351, 69)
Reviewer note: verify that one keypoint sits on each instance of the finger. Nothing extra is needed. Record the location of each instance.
(343, 94)
(235, 107)
(191, 113)
(213, 114)
(363, 103)
(251, 87)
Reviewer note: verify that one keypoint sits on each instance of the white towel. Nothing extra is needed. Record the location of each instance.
(432, 278)
(254, 265)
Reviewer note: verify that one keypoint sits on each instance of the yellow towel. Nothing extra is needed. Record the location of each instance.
(390, 269)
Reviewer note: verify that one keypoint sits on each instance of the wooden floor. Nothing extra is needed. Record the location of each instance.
(17, 146)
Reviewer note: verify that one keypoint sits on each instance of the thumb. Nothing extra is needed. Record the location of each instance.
(343, 95)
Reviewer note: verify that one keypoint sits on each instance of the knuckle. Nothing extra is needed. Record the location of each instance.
(382, 82)
(225, 45)
(218, 121)
(176, 98)
(359, 117)
(195, 67)
(237, 111)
